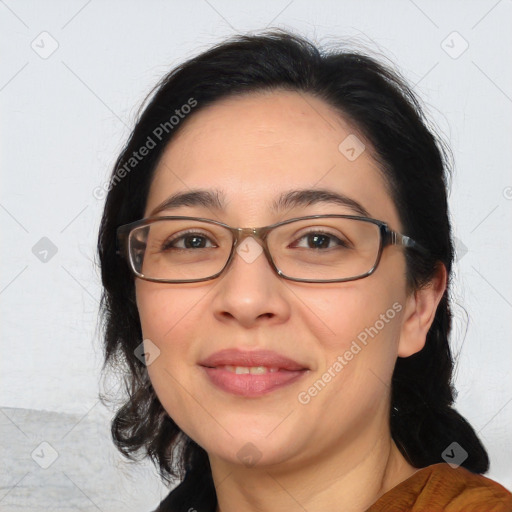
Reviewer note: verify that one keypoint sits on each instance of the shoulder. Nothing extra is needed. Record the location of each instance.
(440, 487)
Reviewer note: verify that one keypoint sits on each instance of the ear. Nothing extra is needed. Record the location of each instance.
(420, 310)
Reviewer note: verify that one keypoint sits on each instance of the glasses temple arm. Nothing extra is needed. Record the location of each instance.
(399, 239)
(121, 240)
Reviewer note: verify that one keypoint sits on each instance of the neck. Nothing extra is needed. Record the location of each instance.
(351, 476)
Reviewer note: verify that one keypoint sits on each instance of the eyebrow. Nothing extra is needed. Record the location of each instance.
(215, 200)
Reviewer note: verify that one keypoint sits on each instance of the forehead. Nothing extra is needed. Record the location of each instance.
(255, 147)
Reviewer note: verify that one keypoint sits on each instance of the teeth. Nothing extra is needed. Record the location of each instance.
(253, 370)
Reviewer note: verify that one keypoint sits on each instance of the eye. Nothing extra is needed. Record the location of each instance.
(187, 240)
(317, 239)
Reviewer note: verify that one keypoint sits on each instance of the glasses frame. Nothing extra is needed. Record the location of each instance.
(387, 237)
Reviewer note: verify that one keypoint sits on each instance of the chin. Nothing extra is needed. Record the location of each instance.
(254, 450)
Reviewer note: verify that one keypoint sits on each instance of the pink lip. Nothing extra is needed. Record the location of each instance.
(235, 357)
(250, 385)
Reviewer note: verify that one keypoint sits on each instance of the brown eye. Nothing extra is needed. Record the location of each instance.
(319, 240)
(190, 240)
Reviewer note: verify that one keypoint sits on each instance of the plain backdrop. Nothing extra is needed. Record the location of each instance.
(72, 76)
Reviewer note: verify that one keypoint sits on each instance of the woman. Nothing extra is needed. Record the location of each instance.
(304, 365)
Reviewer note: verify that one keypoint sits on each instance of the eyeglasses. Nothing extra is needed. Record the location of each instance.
(312, 249)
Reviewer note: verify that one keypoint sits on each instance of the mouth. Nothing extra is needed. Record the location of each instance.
(251, 374)
(244, 370)
(247, 382)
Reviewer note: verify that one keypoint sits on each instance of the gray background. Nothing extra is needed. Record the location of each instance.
(71, 79)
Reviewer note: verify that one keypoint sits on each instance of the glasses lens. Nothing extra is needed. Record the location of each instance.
(325, 248)
(178, 249)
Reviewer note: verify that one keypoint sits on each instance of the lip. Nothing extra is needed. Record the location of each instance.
(248, 385)
(251, 385)
(236, 357)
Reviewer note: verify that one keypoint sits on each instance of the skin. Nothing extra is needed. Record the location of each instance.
(337, 448)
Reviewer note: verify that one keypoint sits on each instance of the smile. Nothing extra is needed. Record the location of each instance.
(252, 381)
(253, 370)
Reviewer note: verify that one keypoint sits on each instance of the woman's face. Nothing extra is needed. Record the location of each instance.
(253, 149)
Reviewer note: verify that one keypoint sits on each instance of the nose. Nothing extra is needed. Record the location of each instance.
(250, 292)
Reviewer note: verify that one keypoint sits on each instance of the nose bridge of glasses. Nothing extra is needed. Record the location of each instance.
(243, 233)
(246, 251)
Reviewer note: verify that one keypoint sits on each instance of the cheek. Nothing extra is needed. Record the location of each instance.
(353, 383)
(168, 318)
(161, 310)
(356, 311)
(357, 329)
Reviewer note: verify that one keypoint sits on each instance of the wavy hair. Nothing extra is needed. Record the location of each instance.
(415, 164)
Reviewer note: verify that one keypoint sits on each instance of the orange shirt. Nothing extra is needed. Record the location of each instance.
(439, 488)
